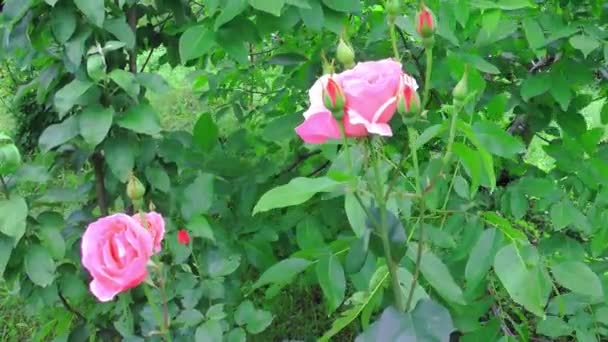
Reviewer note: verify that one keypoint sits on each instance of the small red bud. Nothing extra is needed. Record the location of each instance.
(183, 237)
(425, 23)
(409, 102)
(333, 97)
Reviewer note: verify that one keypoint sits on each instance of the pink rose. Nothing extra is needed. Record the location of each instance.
(115, 251)
(371, 90)
(156, 227)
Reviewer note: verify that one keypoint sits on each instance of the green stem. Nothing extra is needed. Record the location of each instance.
(155, 311)
(427, 77)
(346, 147)
(383, 229)
(393, 34)
(452, 135)
(7, 193)
(411, 132)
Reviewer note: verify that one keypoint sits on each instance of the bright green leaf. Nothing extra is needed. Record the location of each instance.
(200, 227)
(205, 133)
(39, 266)
(126, 81)
(119, 28)
(534, 33)
(94, 10)
(332, 281)
(6, 248)
(586, 44)
(348, 6)
(195, 42)
(58, 134)
(210, 331)
(273, 7)
(297, 191)
(94, 123)
(577, 277)
(66, 97)
(535, 85)
(63, 23)
(141, 118)
(282, 272)
(355, 214)
(524, 276)
(13, 215)
(438, 275)
(482, 255)
(120, 156)
(497, 140)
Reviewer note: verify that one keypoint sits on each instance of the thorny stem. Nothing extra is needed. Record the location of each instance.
(392, 265)
(412, 141)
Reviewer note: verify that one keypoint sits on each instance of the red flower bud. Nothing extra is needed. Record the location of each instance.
(183, 237)
(426, 23)
(333, 97)
(409, 101)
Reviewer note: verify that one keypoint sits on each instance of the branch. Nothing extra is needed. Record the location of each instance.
(7, 193)
(98, 165)
(132, 19)
(299, 160)
(70, 308)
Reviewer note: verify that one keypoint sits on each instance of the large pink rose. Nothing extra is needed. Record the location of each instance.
(115, 251)
(371, 90)
(156, 227)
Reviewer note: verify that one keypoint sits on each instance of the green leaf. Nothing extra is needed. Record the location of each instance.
(200, 227)
(153, 82)
(94, 123)
(126, 81)
(196, 42)
(428, 134)
(313, 17)
(577, 277)
(585, 43)
(94, 10)
(288, 58)
(535, 85)
(405, 282)
(482, 254)
(297, 191)
(496, 140)
(360, 301)
(534, 33)
(13, 215)
(205, 133)
(470, 161)
(273, 7)
(230, 9)
(348, 6)
(254, 320)
(63, 23)
(518, 203)
(308, 234)
(332, 281)
(120, 153)
(189, 317)
(67, 97)
(210, 331)
(282, 272)
(437, 274)
(429, 321)
(553, 327)
(6, 248)
(53, 241)
(560, 90)
(158, 178)
(198, 196)
(355, 214)
(357, 254)
(39, 266)
(237, 335)
(563, 214)
(119, 28)
(524, 276)
(501, 4)
(479, 63)
(58, 134)
(141, 118)
(96, 67)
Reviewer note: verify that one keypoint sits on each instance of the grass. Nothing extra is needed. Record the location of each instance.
(16, 325)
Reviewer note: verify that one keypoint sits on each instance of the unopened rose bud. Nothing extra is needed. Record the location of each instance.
(409, 102)
(393, 7)
(135, 189)
(461, 89)
(345, 54)
(425, 23)
(333, 98)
